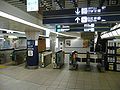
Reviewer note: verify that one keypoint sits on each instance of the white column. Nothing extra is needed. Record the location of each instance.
(52, 41)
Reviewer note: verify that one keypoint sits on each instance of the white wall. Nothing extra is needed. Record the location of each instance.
(80, 50)
(70, 49)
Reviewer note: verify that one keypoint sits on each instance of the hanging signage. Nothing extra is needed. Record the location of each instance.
(32, 5)
(92, 10)
(89, 27)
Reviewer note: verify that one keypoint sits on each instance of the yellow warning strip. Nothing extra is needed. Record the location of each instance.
(3, 66)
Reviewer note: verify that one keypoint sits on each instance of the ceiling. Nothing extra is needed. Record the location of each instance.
(46, 5)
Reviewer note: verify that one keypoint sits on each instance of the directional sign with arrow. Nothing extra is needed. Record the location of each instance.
(77, 11)
(77, 19)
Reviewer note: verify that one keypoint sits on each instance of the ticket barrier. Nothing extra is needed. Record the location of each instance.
(88, 68)
(73, 65)
(2, 58)
(45, 58)
(18, 56)
(5, 55)
(58, 60)
(101, 64)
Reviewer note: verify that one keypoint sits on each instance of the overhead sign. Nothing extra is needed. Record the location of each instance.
(82, 11)
(92, 10)
(89, 10)
(85, 19)
(77, 11)
(82, 15)
(32, 5)
(60, 28)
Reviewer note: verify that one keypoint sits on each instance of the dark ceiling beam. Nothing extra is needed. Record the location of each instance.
(88, 3)
(58, 2)
(101, 2)
(75, 3)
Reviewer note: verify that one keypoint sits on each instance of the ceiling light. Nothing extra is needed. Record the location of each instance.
(1, 38)
(114, 33)
(12, 31)
(12, 36)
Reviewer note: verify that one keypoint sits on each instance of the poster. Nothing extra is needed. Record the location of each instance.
(73, 43)
(68, 43)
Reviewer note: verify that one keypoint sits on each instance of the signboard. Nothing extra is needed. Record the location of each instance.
(73, 43)
(82, 11)
(84, 19)
(92, 10)
(30, 47)
(32, 5)
(89, 27)
(30, 53)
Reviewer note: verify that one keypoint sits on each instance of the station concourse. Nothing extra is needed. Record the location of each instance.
(59, 45)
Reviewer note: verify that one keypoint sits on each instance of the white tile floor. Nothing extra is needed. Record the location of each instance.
(19, 78)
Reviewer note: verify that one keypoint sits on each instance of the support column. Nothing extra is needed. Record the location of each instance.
(53, 37)
(52, 42)
(32, 61)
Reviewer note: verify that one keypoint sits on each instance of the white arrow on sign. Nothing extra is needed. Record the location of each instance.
(77, 19)
(77, 11)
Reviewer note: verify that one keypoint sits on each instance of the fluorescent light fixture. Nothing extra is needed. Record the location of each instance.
(114, 33)
(103, 20)
(8, 16)
(103, 7)
(115, 27)
(110, 34)
(118, 31)
(12, 36)
(47, 33)
(105, 35)
(78, 37)
(1, 38)
(1, 35)
(8, 31)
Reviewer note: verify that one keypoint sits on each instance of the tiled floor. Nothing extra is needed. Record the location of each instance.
(19, 78)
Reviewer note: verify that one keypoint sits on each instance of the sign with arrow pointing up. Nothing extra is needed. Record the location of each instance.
(77, 19)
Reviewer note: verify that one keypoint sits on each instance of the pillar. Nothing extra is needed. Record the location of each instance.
(52, 37)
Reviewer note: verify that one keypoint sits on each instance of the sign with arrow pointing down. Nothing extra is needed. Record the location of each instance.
(77, 11)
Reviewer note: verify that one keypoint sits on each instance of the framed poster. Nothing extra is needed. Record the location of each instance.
(68, 43)
(73, 43)
(76, 43)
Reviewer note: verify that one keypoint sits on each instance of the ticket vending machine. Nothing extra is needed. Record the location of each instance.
(32, 55)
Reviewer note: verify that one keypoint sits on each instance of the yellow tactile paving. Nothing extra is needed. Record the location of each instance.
(3, 66)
